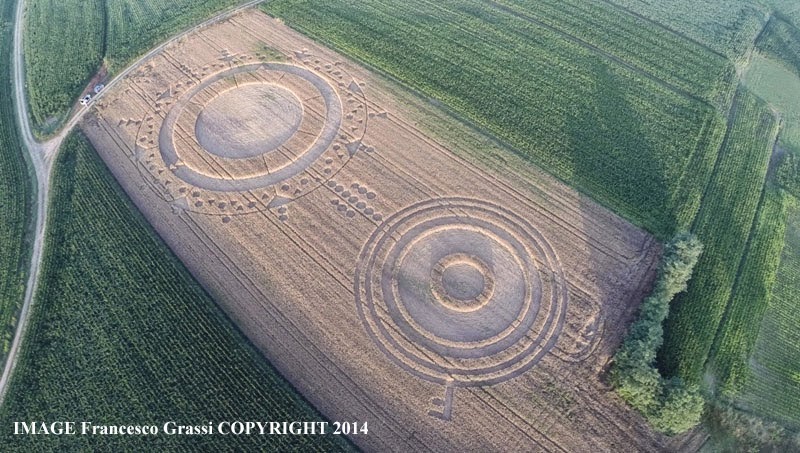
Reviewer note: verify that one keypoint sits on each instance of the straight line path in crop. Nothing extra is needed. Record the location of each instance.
(43, 154)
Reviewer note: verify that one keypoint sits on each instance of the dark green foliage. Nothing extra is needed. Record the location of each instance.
(668, 405)
(63, 50)
(121, 334)
(723, 225)
(680, 408)
(15, 193)
(646, 334)
(585, 107)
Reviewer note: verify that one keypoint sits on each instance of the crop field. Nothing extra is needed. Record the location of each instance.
(64, 43)
(727, 26)
(654, 51)
(121, 334)
(772, 387)
(723, 225)
(134, 26)
(435, 217)
(436, 54)
(570, 102)
(67, 41)
(740, 325)
(775, 83)
(15, 194)
(392, 276)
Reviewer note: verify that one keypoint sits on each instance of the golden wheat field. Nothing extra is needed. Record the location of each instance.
(395, 276)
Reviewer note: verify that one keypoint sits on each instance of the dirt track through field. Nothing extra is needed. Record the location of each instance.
(452, 296)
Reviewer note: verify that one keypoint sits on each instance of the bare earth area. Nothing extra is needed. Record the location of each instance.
(391, 277)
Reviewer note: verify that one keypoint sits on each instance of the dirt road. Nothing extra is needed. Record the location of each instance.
(42, 155)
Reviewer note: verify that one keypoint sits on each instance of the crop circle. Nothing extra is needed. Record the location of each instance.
(256, 134)
(460, 291)
(297, 163)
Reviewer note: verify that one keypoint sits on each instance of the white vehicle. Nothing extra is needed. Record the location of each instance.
(85, 100)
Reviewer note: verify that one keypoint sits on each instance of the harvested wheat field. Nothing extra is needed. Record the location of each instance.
(452, 298)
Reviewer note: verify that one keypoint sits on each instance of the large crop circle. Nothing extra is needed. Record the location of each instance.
(460, 292)
(240, 135)
(292, 165)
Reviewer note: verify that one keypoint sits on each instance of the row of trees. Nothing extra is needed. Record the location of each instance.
(669, 405)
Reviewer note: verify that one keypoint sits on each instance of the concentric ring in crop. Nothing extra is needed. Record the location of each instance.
(460, 292)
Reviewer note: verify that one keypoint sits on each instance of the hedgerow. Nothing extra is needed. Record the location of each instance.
(668, 404)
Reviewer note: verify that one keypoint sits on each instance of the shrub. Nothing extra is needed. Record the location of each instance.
(668, 404)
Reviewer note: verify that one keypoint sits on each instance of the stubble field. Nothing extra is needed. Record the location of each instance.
(391, 277)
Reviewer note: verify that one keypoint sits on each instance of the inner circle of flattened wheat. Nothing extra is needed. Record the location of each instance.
(460, 292)
(330, 129)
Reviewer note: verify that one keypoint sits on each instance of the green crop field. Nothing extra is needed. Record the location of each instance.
(780, 87)
(64, 48)
(134, 26)
(774, 82)
(772, 383)
(723, 225)
(773, 386)
(67, 41)
(687, 67)
(727, 26)
(555, 96)
(15, 193)
(122, 334)
(756, 275)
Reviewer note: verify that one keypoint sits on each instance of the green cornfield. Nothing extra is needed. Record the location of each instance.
(729, 358)
(723, 225)
(771, 388)
(121, 333)
(15, 193)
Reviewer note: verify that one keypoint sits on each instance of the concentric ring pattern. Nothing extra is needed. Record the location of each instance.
(460, 292)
